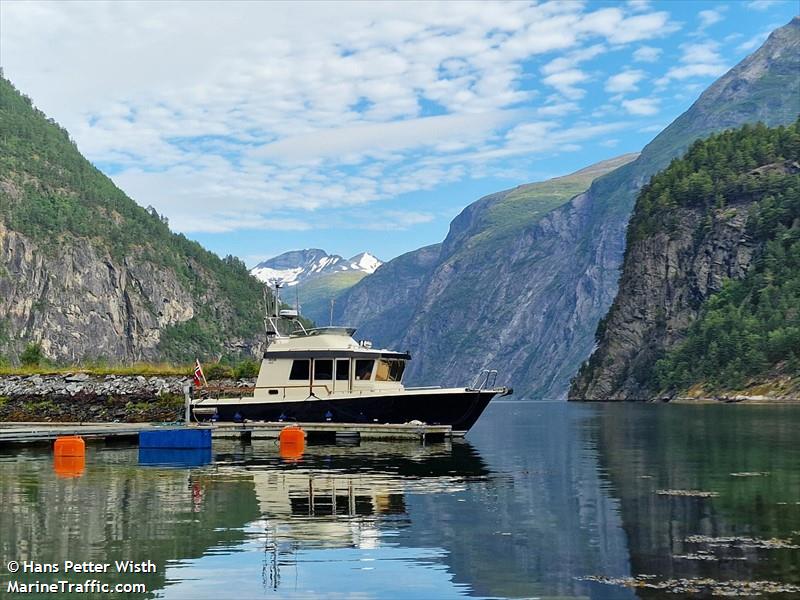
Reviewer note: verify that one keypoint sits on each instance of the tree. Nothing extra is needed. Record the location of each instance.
(32, 356)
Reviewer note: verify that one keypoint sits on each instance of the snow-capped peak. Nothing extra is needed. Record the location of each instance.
(365, 262)
(300, 265)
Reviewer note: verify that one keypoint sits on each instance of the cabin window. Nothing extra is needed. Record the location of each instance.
(364, 369)
(343, 369)
(323, 369)
(390, 370)
(301, 369)
(396, 370)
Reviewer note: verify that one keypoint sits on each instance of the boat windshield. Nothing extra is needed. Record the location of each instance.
(390, 370)
(347, 331)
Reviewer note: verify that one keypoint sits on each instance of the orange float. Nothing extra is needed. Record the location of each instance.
(292, 442)
(69, 457)
(70, 445)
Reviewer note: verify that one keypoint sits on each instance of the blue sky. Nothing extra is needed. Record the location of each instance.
(258, 128)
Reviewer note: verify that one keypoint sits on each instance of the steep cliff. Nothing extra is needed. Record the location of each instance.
(528, 302)
(89, 274)
(502, 280)
(710, 289)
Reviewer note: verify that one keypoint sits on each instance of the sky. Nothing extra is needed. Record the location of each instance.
(262, 127)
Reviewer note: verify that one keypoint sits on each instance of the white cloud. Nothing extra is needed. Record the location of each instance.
(392, 220)
(639, 5)
(259, 115)
(646, 54)
(573, 59)
(652, 128)
(379, 138)
(641, 106)
(624, 82)
(557, 109)
(709, 17)
(754, 42)
(699, 60)
(762, 4)
(566, 82)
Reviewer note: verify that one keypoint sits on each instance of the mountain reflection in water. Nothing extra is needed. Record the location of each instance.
(543, 500)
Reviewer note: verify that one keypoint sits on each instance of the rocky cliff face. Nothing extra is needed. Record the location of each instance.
(710, 286)
(526, 299)
(88, 274)
(82, 303)
(519, 296)
(666, 280)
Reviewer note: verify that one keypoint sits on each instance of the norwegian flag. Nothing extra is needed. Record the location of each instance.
(199, 376)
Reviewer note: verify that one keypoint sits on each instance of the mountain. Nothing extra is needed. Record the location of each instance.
(90, 275)
(710, 291)
(298, 266)
(764, 87)
(480, 297)
(316, 277)
(529, 301)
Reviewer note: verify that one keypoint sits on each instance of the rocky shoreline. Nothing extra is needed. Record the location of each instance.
(81, 397)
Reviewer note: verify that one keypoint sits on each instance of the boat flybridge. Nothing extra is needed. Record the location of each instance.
(324, 374)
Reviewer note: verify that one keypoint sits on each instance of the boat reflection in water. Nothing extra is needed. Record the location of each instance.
(340, 497)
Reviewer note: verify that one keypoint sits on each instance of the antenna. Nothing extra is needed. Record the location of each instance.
(331, 321)
(266, 312)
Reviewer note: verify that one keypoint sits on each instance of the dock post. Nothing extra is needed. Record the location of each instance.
(187, 394)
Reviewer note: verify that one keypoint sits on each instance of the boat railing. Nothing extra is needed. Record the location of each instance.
(487, 378)
(215, 392)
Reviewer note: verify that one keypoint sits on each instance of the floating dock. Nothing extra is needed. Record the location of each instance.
(363, 431)
(17, 433)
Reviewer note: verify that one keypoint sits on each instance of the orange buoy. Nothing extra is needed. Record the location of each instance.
(70, 445)
(69, 466)
(292, 442)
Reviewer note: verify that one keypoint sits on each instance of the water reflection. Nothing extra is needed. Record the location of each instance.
(175, 457)
(69, 466)
(539, 498)
(706, 491)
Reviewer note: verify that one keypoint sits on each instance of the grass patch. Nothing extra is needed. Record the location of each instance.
(528, 203)
(146, 369)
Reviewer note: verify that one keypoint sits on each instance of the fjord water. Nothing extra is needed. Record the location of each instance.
(539, 497)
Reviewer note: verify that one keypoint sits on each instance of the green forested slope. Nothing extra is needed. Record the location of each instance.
(53, 196)
(752, 326)
(709, 298)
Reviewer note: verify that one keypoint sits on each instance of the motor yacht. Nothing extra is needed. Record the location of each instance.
(323, 374)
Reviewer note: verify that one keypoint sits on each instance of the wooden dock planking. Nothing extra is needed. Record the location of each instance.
(15, 433)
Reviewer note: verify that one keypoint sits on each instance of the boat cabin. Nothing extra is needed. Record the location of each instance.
(327, 362)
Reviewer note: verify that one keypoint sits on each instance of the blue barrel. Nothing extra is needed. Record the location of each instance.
(175, 438)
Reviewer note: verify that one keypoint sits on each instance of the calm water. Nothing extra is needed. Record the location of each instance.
(538, 498)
